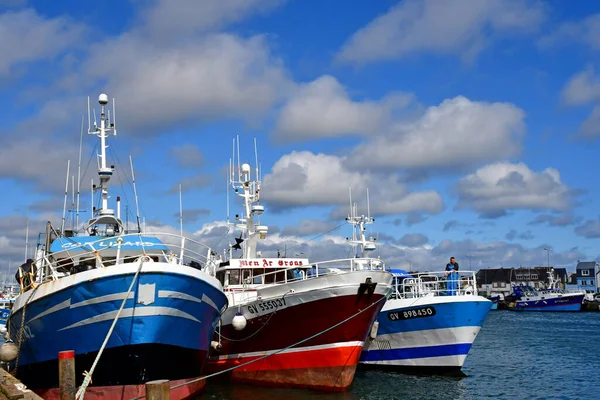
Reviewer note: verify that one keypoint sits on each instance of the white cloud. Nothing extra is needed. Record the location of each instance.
(307, 227)
(590, 128)
(193, 214)
(586, 31)
(582, 88)
(564, 219)
(462, 27)
(30, 160)
(215, 76)
(457, 133)
(496, 188)
(513, 234)
(187, 155)
(502, 254)
(303, 178)
(195, 182)
(29, 37)
(589, 229)
(179, 18)
(323, 108)
(413, 240)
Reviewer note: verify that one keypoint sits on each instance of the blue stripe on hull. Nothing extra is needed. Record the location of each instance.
(417, 352)
(570, 303)
(447, 315)
(72, 326)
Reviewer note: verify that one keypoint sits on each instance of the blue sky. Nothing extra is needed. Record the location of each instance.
(474, 125)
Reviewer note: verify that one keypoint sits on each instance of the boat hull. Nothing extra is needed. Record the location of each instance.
(164, 330)
(563, 303)
(428, 333)
(326, 361)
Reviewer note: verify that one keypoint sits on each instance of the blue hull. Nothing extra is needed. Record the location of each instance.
(439, 338)
(165, 313)
(570, 303)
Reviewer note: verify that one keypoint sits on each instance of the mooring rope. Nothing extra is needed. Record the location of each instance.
(383, 298)
(22, 328)
(88, 376)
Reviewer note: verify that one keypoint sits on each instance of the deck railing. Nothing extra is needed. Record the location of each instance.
(315, 270)
(109, 251)
(462, 283)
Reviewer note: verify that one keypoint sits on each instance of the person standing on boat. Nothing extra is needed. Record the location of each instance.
(26, 274)
(452, 276)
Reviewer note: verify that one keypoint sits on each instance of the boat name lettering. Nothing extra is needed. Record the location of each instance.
(112, 243)
(269, 263)
(266, 305)
(414, 313)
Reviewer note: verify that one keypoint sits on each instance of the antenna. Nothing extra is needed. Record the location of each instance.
(350, 194)
(92, 202)
(26, 239)
(257, 178)
(227, 190)
(232, 161)
(238, 158)
(137, 208)
(62, 226)
(72, 200)
(368, 205)
(180, 212)
(89, 122)
(79, 171)
(114, 123)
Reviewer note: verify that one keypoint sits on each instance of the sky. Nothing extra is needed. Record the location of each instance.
(473, 124)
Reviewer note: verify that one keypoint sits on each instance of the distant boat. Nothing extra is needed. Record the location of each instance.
(423, 326)
(527, 298)
(149, 287)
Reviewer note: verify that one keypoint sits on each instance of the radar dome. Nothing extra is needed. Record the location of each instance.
(245, 168)
(103, 99)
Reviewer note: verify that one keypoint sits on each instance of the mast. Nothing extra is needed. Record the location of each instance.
(359, 227)
(103, 215)
(249, 191)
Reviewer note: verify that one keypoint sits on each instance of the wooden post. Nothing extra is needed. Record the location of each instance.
(158, 390)
(66, 375)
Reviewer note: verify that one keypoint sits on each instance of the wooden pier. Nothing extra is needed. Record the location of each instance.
(12, 389)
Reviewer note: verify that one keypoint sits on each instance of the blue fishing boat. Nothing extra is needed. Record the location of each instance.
(428, 323)
(527, 298)
(134, 307)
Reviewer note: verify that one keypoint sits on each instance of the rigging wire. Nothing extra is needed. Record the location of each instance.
(316, 237)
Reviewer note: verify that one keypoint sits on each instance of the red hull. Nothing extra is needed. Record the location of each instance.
(326, 362)
(127, 392)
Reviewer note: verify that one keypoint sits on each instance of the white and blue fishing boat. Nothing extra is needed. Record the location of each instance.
(133, 307)
(423, 326)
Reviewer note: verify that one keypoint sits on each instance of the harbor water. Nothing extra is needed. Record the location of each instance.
(517, 355)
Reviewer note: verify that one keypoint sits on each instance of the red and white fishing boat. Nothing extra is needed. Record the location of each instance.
(291, 322)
